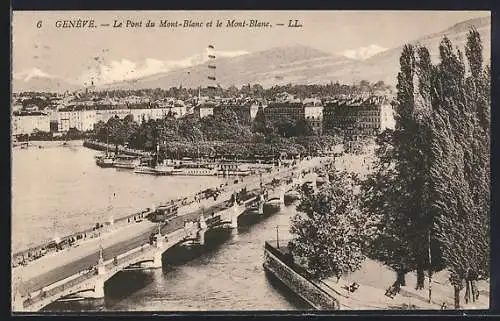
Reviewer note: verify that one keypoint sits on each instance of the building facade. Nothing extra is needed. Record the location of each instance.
(245, 112)
(310, 111)
(204, 110)
(28, 123)
(358, 116)
(83, 119)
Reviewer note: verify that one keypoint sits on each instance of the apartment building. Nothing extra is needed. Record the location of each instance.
(29, 122)
(359, 116)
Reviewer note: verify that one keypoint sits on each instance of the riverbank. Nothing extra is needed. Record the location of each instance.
(95, 145)
(47, 143)
(279, 262)
(366, 288)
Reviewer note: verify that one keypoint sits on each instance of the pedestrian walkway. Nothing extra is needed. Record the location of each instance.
(375, 278)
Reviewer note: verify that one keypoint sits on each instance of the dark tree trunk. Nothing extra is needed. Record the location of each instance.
(420, 279)
(475, 292)
(467, 292)
(401, 278)
(457, 296)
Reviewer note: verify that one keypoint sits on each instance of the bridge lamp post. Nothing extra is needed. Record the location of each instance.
(277, 237)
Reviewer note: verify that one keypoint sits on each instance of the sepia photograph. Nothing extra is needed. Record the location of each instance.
(175, 161)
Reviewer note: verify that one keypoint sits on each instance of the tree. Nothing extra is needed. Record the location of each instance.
(398, 192)
(461, 168)
(259, 124)
(330, 231)
(303, 128)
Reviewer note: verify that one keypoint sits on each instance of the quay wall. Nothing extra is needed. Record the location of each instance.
(103, 146)
(297, 280)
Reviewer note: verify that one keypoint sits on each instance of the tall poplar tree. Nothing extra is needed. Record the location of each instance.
(398, 192)
(461, 171)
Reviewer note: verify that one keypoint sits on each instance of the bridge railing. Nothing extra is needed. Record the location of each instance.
(42, 294)
(126, 257)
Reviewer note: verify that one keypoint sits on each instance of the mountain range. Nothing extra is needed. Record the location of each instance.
(282, 65)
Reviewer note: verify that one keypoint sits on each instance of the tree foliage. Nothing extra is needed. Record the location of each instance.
(431, 186)
(461, 169)
(330, 230)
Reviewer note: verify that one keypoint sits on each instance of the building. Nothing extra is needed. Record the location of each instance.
(359, 116)
(29, 122)
(284, 110)
(204, 110)
(310, 110)
(106, 114)
(245, 112)
(313, 114)
(80, 117)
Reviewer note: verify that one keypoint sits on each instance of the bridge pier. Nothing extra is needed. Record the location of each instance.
(282, 192)
(234, 216)
(157, 258)
(99, 283)
(261, 206)
(101, 269)
(201, 232)
(98, 289)
(17, 302)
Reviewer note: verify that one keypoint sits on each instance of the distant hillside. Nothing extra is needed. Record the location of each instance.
(385, 65)
(278, 65)
(304, 65)
(42, 84)
(283, 65)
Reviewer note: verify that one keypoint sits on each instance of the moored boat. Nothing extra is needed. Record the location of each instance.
(126, 162)
(194, 171)
(233, 169)
(158, 170)
(104, 161)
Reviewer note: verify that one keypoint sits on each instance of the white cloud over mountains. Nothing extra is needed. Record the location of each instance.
(26, 75)
(125, 69)
(363, 53)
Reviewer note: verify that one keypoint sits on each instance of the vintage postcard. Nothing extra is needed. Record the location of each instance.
(250, 160)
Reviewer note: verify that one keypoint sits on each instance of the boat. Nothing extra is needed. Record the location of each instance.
(233, 169)
(158, 170)
(154, 167)
(126, 162)
(190, 168)
(104, 161)
(187, 171)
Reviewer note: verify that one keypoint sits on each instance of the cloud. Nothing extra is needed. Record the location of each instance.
(363, 53)
(28, 74)
(125, 69)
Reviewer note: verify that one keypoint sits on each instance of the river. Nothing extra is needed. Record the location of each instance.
(59, 190)
(226, 274)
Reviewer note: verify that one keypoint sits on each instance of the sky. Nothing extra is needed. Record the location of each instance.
(107, 54)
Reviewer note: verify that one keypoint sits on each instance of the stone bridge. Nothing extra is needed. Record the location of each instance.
(90, 283)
